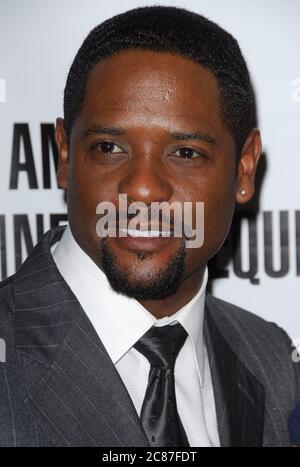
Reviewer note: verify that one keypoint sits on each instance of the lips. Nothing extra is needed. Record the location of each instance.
(145, 233)
(145, 238)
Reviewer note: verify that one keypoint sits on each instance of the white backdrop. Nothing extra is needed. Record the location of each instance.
(38, 41)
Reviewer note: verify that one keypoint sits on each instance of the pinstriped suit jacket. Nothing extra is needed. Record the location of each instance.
(59, 387)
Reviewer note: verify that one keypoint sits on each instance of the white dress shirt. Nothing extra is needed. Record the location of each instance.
(121, 321)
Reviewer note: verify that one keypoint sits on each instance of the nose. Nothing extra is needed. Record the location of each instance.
(146, 180)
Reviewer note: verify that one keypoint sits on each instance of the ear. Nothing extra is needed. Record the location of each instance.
(62, 146)
(247, 166)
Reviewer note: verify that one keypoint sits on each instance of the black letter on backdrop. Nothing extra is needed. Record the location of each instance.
(48, 140)
(21, 133)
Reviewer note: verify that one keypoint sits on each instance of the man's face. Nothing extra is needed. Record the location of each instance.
(143, 99)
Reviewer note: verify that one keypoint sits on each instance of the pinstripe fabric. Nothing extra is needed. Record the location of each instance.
(259, 353)
(59, 387)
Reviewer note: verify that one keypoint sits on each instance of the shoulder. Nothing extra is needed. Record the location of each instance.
(6, 308)
(254, 339)
(6, 294)
(263, 346)
(242, 318)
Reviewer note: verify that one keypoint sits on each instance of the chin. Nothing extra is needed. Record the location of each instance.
(143, 279)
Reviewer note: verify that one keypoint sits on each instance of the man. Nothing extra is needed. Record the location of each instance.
(113, 340)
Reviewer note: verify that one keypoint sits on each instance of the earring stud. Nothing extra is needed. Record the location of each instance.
(243, 192)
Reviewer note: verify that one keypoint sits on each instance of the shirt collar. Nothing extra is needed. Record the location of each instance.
(121, 321)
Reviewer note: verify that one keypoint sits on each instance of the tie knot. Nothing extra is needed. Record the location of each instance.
(161, 345)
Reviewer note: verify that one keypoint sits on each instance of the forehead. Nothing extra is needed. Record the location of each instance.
(152, 81)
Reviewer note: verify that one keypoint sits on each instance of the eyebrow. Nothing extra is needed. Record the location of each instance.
(193, 136)
(103, 130)
(179, 136)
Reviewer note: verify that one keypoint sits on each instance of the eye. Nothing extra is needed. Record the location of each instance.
(188, 153)
(107, 147)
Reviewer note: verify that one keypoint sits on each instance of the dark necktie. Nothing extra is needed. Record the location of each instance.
(159, 415)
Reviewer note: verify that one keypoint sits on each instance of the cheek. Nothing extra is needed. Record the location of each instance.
(85, 187)
(217, 219)
(218, 196)
(219, 209)
(82, 199)
(218, 213)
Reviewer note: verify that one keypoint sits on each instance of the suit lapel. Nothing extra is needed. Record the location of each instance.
(239, 396)
(78, 396)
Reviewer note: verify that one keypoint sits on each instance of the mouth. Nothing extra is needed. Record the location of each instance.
(137, 233)
(145, 238)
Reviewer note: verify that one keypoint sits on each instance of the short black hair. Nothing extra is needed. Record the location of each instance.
(177, 31)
